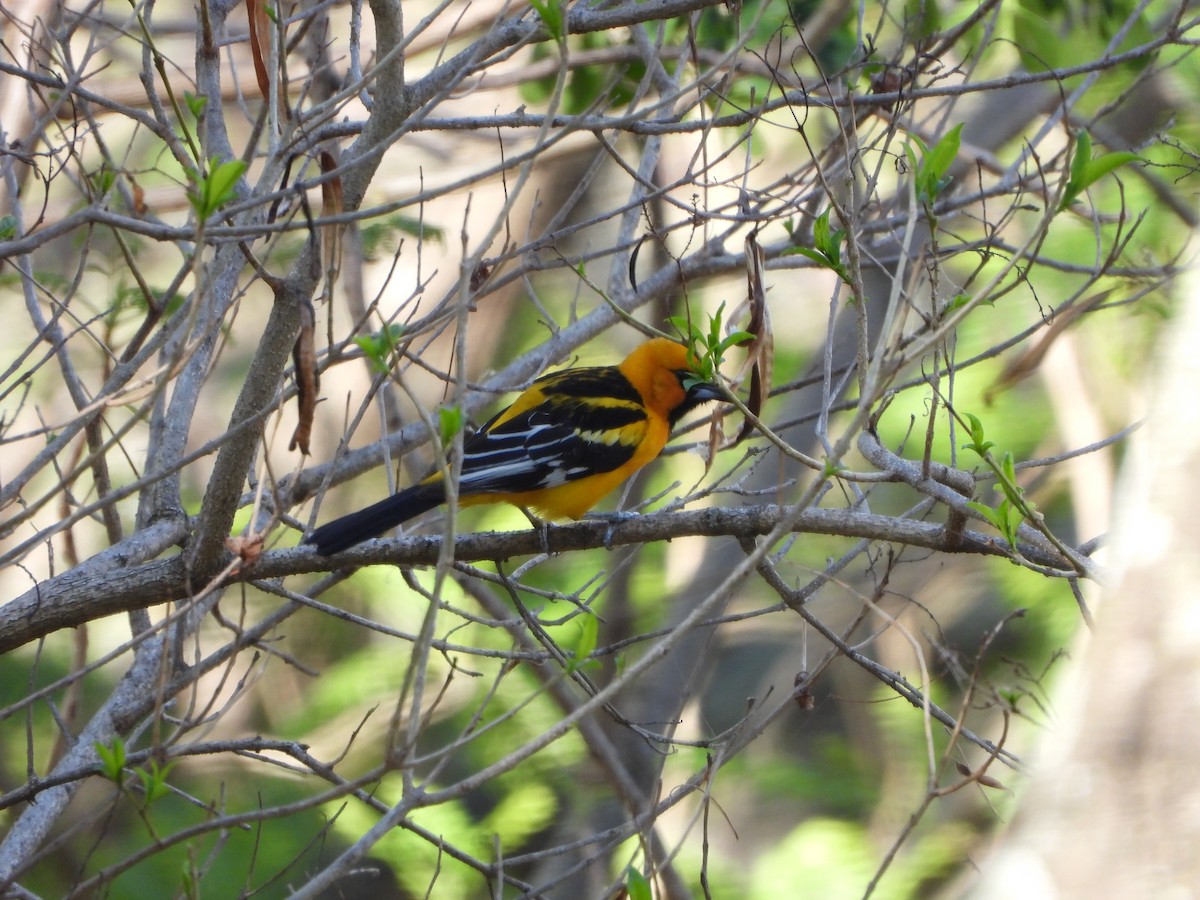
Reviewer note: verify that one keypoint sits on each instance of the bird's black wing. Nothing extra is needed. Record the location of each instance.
(588, 423)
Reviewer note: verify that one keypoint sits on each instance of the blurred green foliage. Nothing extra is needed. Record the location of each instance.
(808, 811)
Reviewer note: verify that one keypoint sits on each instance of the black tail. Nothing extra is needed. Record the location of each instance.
(342, 534)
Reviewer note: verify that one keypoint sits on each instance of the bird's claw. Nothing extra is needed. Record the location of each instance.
(541, 526)
(613, 519)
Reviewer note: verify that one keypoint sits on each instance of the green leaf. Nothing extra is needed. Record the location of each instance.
(819, 258)
(821, 231)
(1011, 518)
(8, 227)
(734, 339)
(1037, 40)
(188, 877)
(707, 348)
(914, 161)
(1008, 480)
(154, 781)
(195, 104)
(450, 423)
(923, 17)
(102, 180)
(815, 255)
(827, 246)
(378, 347)
(589, 635)
(978, 444)
(551, 14)
(1005, 518)
(944, 152)
(381, 233)
(112, 759)
(1086, 171)
(986, 511)
(931, 178)
(636, 885)
(1053, 33)
(1008, 466)
(831, 468)
(217, 188)
(1102, 165)
(222, 180)
(827, 240)
(1083, 155)
(686, 327)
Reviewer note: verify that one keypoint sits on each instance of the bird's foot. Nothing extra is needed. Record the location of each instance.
(541, 526)
(613, 519)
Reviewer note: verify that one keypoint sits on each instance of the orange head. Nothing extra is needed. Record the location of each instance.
(658, 369)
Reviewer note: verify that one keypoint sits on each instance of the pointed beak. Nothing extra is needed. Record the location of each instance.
(704, 392)
(696, 394)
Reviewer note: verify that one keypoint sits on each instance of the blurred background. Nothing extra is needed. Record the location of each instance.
(972, 221)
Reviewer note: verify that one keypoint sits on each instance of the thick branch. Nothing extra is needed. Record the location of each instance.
(71, 600)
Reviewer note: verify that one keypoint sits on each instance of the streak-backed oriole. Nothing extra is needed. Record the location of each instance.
(563, 444)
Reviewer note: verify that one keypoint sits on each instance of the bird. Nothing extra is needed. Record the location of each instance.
(568, 440)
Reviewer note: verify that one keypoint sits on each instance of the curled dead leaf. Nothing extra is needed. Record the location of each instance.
(247, 548)
(308, 381)
(332, 203)
(760, 350)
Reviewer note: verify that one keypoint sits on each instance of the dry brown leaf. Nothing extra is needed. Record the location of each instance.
(139, 196)
(990, 782)
(332, 204)
(247, 549)
(308, 382)
(716, 440)
(260, 42)
(260, 51)
(760, 351)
